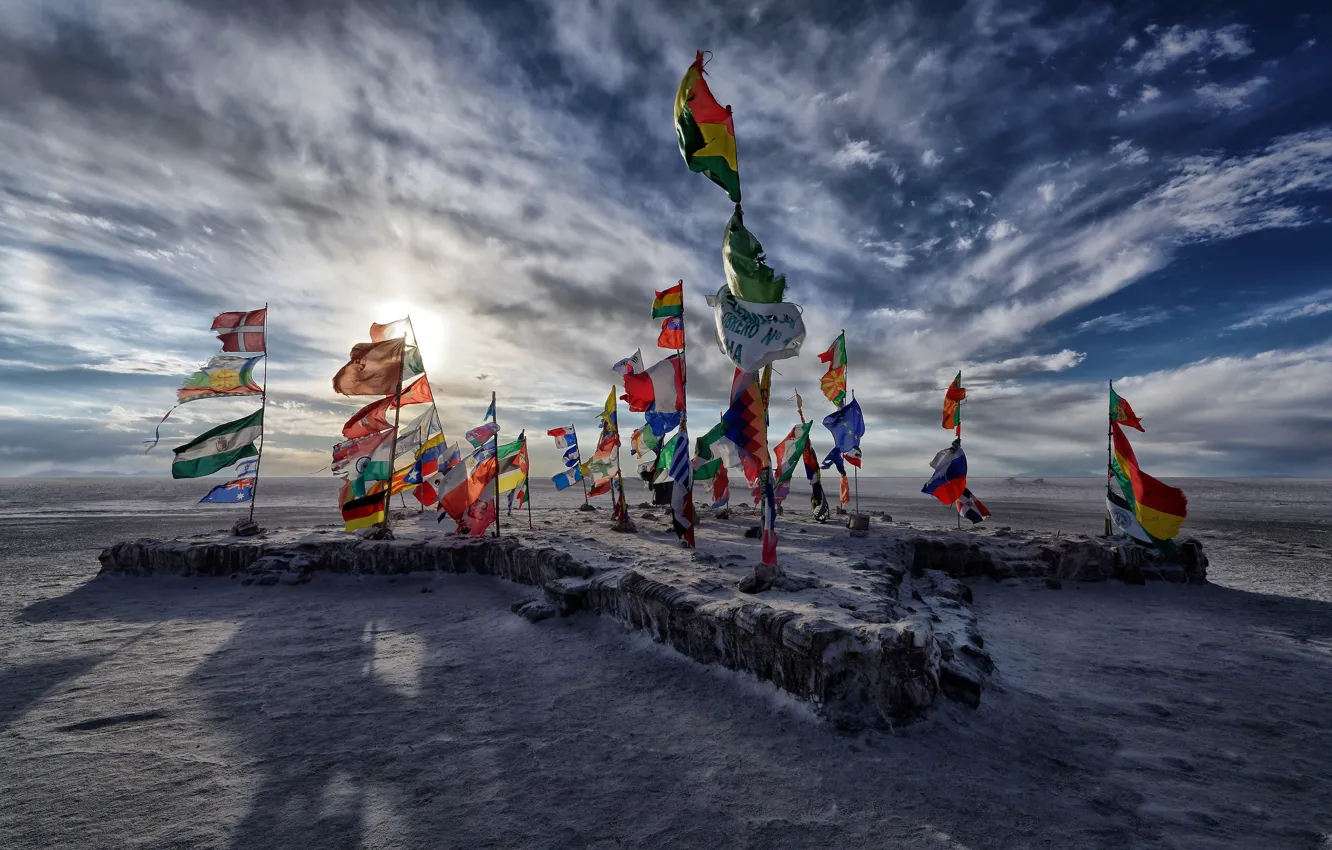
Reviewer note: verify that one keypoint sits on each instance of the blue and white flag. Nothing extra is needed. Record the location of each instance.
(247, 468)
(565, 480)
(631, 365)
(662, 423)
(682, 491)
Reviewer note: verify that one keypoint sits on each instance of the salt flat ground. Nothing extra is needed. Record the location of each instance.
(344, 713)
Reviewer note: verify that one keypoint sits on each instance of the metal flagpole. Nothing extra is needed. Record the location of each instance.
(393, 453)
(259, 459)
(495, 419)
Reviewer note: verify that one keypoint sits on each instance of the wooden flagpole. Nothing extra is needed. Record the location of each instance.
(425, 376)
(684, 397)
(579, 453)
(527, 485)
(259, 459)
(393, 453)
(495, 418)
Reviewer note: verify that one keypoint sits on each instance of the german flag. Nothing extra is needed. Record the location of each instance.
(363, 512)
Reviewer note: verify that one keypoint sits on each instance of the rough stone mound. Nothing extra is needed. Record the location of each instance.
(889, 665)
(1005, 555)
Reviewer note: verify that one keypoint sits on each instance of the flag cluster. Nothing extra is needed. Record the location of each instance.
(227, 375)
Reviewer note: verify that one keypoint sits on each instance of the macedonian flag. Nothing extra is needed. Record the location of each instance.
(705, 131)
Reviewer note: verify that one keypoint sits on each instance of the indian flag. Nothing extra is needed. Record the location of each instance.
(706, 131)
(218, 448)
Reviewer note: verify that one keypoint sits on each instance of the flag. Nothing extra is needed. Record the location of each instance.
(240, 490)
(969, 507)
(351, 458)
(950, 475)
(404, 479)
(374, 416)
(661, 384)
(672, 333)
(769, 524)
(636, 446)
(952, 408)
(430, 455)
(662, 469)
(519, 495)
(833, 382)
(748, 275)
(364, 512)
(221, 377)
(249, 466)
(1159, 508)
(1121, 512)
(744, 422)
(241, 331)
(844, 491)
(1121, 412)
(790, 451)
(565, 480)
(847, 426)
(754, 334)
(389, 330)
(669, 302)
(705, 131)
(661, 424)
(428, 493)
(721, 490)
(564, 437)
(219, 447)
(704, 469)
(414, 434)
(412, 364)
(513, 463)
(467, 481)
(490, 410)
(374, 369)
(630, 365)
(609, 413)
(482, 433)
(479, 515)
(682, 494)
(811, 462)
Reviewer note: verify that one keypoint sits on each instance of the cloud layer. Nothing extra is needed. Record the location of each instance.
(989, 189)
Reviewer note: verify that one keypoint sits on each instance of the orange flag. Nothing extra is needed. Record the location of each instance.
(374, 369)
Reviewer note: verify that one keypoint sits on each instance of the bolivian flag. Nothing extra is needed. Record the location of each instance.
(1160, 508)
(669, 302)
(706, 131)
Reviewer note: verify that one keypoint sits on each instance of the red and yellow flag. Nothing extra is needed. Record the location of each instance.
(1160, 508)
(952, 408)
(705, 131)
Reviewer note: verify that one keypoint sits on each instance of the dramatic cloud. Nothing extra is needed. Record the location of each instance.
(955, 189)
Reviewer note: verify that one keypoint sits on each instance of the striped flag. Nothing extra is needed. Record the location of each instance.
(950, 475)
(682, 493)
(769, 502)
(669, 302)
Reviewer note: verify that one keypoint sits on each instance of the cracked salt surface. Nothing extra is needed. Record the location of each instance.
(1156, 716)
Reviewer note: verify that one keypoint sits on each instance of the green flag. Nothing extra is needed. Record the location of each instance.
(218, 448)
(748, 275)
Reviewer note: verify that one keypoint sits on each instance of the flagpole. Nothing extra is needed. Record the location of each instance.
(495, 419)
(527, 484)
(425, 376)
(259, 459)
(578, 449)
(393, 452)
(615, 412)
(1109, 462)
(684, 396)
(855, 469)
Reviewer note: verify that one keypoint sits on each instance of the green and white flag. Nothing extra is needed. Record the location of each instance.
(218, 448)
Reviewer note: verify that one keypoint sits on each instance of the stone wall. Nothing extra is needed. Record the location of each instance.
(870, 674)
(1000, 556)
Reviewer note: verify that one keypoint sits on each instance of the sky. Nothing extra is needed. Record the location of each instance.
(1046, 196)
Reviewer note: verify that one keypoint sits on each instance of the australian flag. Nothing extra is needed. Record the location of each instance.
(240, 490)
